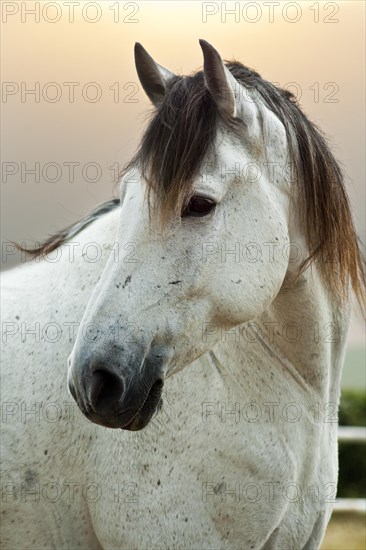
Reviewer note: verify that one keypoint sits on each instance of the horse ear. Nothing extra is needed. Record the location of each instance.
(222, 86)
(153, 77)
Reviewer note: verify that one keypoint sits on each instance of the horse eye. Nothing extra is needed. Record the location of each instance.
(198, 207)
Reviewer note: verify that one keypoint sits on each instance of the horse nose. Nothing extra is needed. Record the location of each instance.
(105, 390)
(115, 394)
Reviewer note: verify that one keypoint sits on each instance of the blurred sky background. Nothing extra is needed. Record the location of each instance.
(316, 49)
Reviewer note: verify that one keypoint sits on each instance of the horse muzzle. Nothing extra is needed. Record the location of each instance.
(115, 398)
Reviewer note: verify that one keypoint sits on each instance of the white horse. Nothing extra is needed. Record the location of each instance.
(228, 284)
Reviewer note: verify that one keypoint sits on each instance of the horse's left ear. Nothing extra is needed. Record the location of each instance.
(153, 77)
(223, 87)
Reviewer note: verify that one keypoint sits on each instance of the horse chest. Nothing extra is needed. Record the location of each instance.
(187, 482)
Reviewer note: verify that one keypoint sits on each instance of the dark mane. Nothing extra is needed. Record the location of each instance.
(56, 240)
(180, 135)
(182, 131)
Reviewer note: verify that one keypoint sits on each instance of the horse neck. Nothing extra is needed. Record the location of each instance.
(295, 347)
(305, 326)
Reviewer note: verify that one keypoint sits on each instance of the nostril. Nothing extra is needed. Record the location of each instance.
(106, 388)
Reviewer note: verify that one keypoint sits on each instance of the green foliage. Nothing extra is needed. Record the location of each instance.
(352, 456)
(352, 410)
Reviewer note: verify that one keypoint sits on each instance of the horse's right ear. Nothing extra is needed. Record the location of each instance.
(153, 77)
